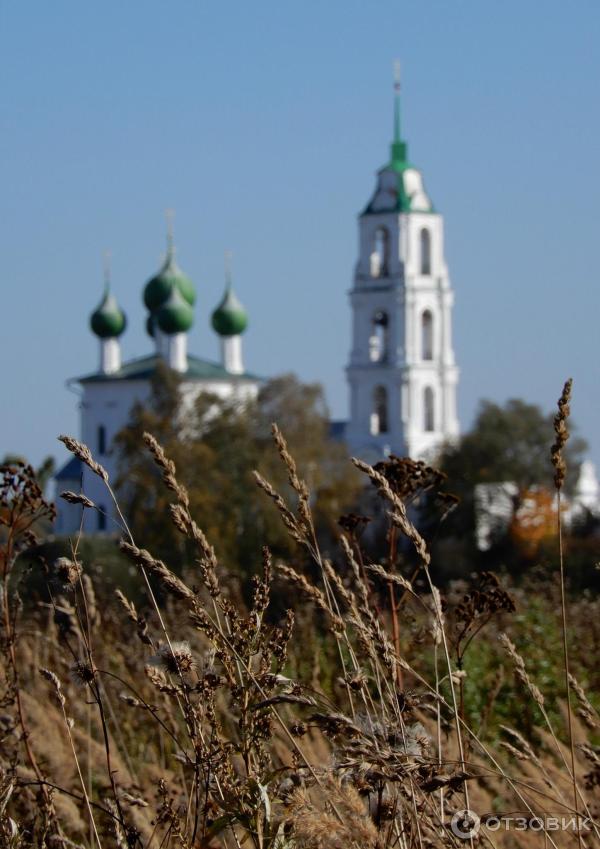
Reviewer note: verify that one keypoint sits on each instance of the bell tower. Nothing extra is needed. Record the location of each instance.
(401, 373)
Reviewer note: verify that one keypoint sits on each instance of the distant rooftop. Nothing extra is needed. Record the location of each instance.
(144, 367)
(337, 430)
(71, 471)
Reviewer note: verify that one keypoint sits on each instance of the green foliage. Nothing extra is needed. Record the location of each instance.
(509, 443)
(216, 445)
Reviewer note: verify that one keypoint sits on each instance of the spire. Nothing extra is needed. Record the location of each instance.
(170, 216)
(398, 149)
(106, 258)
(228, 256)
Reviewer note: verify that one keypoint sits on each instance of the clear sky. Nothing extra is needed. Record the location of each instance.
(262, 125)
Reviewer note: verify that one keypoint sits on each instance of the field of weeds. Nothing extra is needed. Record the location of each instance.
(375, 712)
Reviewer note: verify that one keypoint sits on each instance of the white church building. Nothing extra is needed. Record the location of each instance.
(402, 373)
(109, 393)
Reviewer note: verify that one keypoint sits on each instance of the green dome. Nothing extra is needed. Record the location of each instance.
(108, 319)
(176, 314)
(158, 288)
(230, 317)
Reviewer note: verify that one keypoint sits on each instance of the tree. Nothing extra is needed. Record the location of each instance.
(509, 443)
(216, 444)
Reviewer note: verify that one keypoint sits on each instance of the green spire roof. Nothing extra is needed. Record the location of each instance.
(158, 288)
(397, 190)
(176, 314)
(398, 149)
(230, 318)
(108, 319)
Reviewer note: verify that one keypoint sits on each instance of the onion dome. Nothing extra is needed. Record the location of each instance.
(176, 314)
(230, 317)
(108, 320)
(158, 288)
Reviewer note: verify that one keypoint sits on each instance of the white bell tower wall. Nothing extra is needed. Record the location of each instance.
(402, 373)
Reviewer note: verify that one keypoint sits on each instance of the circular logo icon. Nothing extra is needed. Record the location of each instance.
(465, 824)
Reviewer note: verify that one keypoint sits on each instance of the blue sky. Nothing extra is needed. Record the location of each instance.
(262, 125)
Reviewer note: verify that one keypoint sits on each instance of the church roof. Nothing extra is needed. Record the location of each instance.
(71, 471)
(338, 429)
(144, 367)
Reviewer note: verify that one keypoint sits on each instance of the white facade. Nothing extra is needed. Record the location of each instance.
(402, 373)
(587, 491)
(110, 356)
(105, 409)
(231, 354)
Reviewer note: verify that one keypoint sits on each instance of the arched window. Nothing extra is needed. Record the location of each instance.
(378, 341)
(428, 409)
(380, 253)
(425, 251)
(379, 416)
(101, 439)
(427, 335)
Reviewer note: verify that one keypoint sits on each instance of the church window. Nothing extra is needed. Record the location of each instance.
(379, 416)
(378, 341)
(101, 439)
(380, 253)
(428, 410)
(427, 335)
(425, 251)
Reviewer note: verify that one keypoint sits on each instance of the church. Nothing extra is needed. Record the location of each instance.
(109, 393)
(401, 373)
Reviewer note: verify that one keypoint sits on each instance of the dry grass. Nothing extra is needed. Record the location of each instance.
(188, 724)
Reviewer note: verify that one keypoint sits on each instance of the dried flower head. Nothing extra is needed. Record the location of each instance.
(410, 478)
(353, 523)
(67, 572)
(176, 658)
(82, 673)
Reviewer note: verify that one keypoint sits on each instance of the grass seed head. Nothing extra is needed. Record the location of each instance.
(562, 434)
